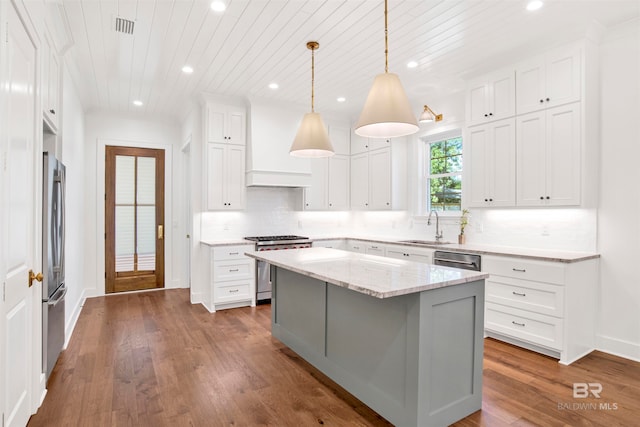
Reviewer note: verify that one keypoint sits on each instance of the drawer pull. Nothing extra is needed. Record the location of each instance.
(517, 324)
(519, 294)
(233, 253)
(520, 270)
(232, 291)
(233, 270)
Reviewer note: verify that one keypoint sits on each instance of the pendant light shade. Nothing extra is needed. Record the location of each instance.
(387, 112)
(312, 138)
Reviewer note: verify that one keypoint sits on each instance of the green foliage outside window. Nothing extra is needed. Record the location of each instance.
(445, 175)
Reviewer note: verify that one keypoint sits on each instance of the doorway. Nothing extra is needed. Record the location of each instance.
(134, 219)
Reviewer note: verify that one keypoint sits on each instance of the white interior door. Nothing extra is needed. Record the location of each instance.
(19, 170)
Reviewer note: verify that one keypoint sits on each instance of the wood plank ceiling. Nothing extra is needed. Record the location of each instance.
(256, 42)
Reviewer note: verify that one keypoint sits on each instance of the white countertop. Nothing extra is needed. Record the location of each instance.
(526, 253)
(372, 275)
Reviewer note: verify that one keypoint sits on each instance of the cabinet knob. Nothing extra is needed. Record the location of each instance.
(366, 204)
(548, 99)
(486, 200)
(486, 115)
(491, 200)
(52, 111)
(330, 204)
(541, 198)
(491, 114)
(548, 197)
(541, 101)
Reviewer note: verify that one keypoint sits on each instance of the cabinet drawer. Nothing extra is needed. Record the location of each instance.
(540, 271)
(532, 327)
(533, 296)
(232, 270)
(232, 291)
(222, 253)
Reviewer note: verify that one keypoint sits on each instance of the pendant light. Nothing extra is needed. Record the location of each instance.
(429, 116)
(387, 112)
(312, 139)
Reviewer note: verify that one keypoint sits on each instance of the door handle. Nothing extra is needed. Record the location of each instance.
(33, 276)
(160, 232)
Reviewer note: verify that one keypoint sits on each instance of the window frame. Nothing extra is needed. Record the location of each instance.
(426, 171)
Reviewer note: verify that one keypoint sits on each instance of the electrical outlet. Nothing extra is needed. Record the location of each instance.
(479, 226)
(545, 230)
(226, 227)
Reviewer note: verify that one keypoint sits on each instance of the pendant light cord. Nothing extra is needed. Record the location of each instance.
(386, 40)
(313, 66)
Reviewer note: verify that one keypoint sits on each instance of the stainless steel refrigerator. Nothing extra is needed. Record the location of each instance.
(54, 289)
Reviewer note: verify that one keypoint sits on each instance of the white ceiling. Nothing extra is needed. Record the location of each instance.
(256, 42)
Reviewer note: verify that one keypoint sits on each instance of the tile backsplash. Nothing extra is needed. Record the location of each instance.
(277, 210)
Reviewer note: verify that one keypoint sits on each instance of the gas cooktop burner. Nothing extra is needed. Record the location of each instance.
(275, 238)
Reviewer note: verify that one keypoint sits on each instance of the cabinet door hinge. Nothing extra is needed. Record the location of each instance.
(4, 298)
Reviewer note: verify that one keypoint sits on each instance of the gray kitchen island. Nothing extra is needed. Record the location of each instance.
(405, 338)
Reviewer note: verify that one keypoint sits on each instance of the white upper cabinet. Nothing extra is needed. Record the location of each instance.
(338, 192)
(50, 83)
(225, 124)
(340, 139)
(548, 81)
(549, 159)
(378, 174)
(491, 98)
(315, 195)
(225, 177)
(492, 164)
(360, 144)
(329, 189)
(225, 156)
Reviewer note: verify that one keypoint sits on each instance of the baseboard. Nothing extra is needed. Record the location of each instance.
(201, 298)
(75, 314)
(617, 347)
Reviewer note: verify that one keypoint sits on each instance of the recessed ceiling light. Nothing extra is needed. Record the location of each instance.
(137, 103)
(534, 5)
(273, 86)
(187, 69)
(341, 99)
(218, 6)
(412, 64)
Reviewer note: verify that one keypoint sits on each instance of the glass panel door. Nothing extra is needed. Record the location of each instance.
(134, 218)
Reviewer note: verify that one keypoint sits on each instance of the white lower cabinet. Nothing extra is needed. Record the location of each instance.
(374, 249)
(232, 277)
(333, 244)
(356, 246)
(410, 253)
(549, 307)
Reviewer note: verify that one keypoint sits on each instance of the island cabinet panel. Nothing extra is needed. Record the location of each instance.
(416, 359)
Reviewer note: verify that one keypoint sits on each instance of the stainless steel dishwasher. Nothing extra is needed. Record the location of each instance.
(457, 260)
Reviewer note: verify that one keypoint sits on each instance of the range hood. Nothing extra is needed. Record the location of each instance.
(270, 132)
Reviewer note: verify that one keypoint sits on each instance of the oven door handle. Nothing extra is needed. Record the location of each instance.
(454, 261)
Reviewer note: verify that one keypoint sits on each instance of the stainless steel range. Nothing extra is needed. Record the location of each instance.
(272, 243)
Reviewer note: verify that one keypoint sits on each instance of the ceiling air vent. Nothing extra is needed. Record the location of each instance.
(124, 25)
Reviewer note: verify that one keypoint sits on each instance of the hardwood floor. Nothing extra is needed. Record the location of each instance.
(154, 359)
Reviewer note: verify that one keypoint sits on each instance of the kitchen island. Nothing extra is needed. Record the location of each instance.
(405, 338)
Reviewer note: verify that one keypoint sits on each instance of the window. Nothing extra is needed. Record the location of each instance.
(444, 174)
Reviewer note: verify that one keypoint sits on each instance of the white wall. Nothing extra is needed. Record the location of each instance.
(619, 217)
(102, 129)
(73, 146)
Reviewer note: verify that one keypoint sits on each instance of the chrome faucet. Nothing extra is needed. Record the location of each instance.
(438, 231)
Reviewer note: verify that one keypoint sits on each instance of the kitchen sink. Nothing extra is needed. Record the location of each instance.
(425, 242)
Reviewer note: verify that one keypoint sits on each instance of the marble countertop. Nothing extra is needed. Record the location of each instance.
(372, 275)
(227, 242)
(525, 253)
